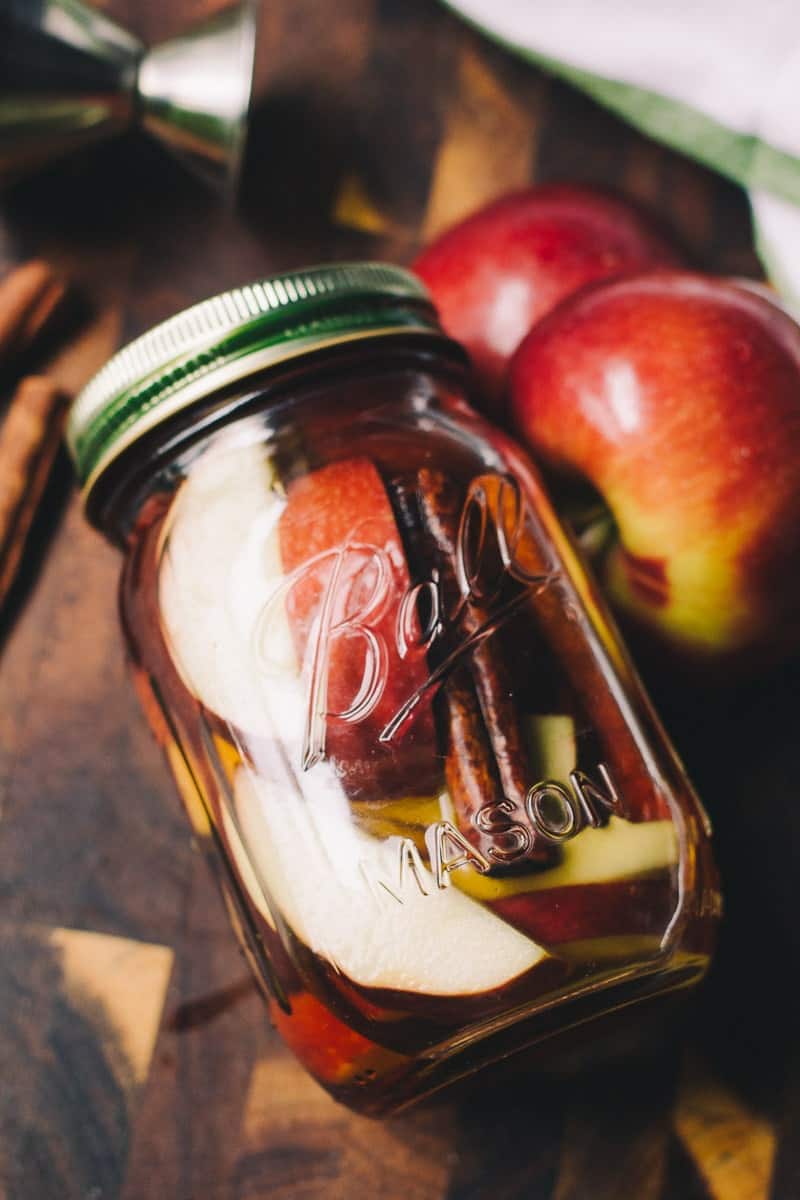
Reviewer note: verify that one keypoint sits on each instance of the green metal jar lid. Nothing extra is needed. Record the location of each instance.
(220, 340)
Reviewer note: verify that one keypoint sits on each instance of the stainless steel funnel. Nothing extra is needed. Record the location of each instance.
(70, 76)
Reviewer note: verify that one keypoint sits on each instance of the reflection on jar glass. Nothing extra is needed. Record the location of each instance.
(445, 817)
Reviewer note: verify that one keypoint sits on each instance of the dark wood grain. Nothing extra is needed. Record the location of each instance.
(135, 1059)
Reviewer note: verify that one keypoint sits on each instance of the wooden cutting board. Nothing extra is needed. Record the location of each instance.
(135, 1058)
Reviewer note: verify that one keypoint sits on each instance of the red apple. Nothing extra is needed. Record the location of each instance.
(497, 272)
(678, 398)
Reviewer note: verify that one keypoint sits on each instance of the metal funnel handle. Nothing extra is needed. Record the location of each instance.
(194, 92)
(70, 76)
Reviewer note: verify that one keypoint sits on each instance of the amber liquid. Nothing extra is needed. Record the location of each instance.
(620, 911)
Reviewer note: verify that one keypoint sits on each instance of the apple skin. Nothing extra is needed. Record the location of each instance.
(503, 268)
(591, 910)
(341, 505)
(678, 398)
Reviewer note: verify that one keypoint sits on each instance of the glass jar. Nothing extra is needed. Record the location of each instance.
(445, 817)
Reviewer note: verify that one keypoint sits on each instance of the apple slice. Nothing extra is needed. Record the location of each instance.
(593, 910)
(620, 850)
(230, 541)
(340, 543)
(552, 745)
(327, 1047)
(291, 831)
(408, 817)
(218, 566)
(345, 897)
(612, 882)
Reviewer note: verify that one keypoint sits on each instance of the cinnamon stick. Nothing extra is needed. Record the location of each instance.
(580, 656)
(30, 437)
(470, 767)
(29, 297)
(486, 758)
(441, 503)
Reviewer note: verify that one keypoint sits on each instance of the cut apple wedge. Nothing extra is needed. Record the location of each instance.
(616, 948)
(593, 910)
(242, 861)
(219, 564)
(620, 850)
(346, 897)
(327, 1047)
(293, 838)
(409, 817)
(340, 544)
(616, 881)
(256, 589)
(551, 745)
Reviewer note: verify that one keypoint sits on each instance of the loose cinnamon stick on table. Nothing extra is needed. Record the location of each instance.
(30, 432)
(29, 297)
(30, 436)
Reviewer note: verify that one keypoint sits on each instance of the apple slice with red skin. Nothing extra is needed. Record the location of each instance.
(339, 534)
(678, 398)
(347, 898)
(493, 275)
(331, 1050)
(619, 908)
(615, 881)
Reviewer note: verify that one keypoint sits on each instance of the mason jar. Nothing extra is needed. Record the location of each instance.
(446, 820)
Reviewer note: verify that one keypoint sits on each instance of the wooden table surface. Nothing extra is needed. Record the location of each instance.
(136, 1060)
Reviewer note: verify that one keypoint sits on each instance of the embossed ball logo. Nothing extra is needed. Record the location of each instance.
(363, 620)
(355, 587)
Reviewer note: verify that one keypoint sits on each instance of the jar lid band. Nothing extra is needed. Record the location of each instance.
(217, 341)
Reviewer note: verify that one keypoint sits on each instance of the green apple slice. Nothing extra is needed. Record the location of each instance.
(552, 745)
(616, 851)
